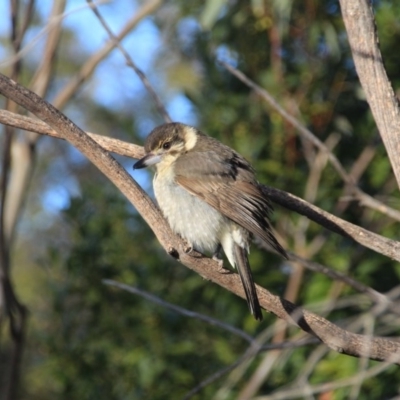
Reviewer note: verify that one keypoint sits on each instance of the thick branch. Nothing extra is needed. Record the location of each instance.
(361, 32)
(373, 241)
(334, 337)
(35, 125)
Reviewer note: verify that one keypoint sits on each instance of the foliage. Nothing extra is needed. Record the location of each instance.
(89, 340)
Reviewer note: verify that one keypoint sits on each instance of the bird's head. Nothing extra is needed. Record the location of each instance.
(166, 143)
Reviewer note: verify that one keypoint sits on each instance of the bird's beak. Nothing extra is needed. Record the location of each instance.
(147, 160)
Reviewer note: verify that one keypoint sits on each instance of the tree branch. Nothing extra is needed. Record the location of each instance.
(75, 82)
(35, 125)
(373, 241)
(362, 35)
(364, 198)
(334, 337)
(117, 42)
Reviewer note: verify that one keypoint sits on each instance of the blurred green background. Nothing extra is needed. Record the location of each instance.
(86, 340)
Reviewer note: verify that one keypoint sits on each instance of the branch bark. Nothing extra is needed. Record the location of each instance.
(362, 35)
(373, 241)
(334, 337)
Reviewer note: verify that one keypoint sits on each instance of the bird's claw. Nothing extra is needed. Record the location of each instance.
(173, 252)
(220, 262)
(187, 248)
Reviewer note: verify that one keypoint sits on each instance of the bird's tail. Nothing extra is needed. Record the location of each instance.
(243, 267)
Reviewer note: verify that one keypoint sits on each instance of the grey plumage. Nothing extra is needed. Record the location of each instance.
(209, 195)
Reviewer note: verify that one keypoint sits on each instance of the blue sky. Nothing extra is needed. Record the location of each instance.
(142, 44)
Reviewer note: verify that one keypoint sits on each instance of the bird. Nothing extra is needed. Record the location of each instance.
(210, 197)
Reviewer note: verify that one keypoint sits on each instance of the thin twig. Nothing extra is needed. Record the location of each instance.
(49, 26)
(364, 198)
(255, 348)
(160, 107)
(75, 81)
(298, 392)
(375, 296)
(250, 353)
(180, 310)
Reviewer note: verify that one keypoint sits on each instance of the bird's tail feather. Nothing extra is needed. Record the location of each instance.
(243, 267)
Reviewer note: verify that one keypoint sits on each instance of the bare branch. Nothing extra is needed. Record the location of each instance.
(32, 42)
(375, 296)
(364, 198)
(24, 150)
(160, 107)
(180, 310)
(373, 241)
(35, 125)
(41, 79)
(249, 354)
(333, 336)
(361, 31)
(75, 82)
(307, 390)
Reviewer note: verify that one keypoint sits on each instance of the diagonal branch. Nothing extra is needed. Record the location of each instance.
(313, 213)
(157, 101)
(373, 241)
(36, 125)
(364, 198)
(334, 337)
(88, 67)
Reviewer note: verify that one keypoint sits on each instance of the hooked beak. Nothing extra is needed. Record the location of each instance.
(147, 160)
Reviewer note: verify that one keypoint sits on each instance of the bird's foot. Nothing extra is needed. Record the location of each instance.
(173, 252)
(187, 247)
(220, 261)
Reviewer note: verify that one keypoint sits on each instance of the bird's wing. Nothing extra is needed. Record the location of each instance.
(228, 184)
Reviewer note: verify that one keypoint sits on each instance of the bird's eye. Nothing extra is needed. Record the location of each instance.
(166, 145)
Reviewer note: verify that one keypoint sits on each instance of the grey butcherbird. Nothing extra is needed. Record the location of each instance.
(210, 197)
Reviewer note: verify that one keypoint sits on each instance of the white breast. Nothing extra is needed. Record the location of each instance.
(197, 222)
